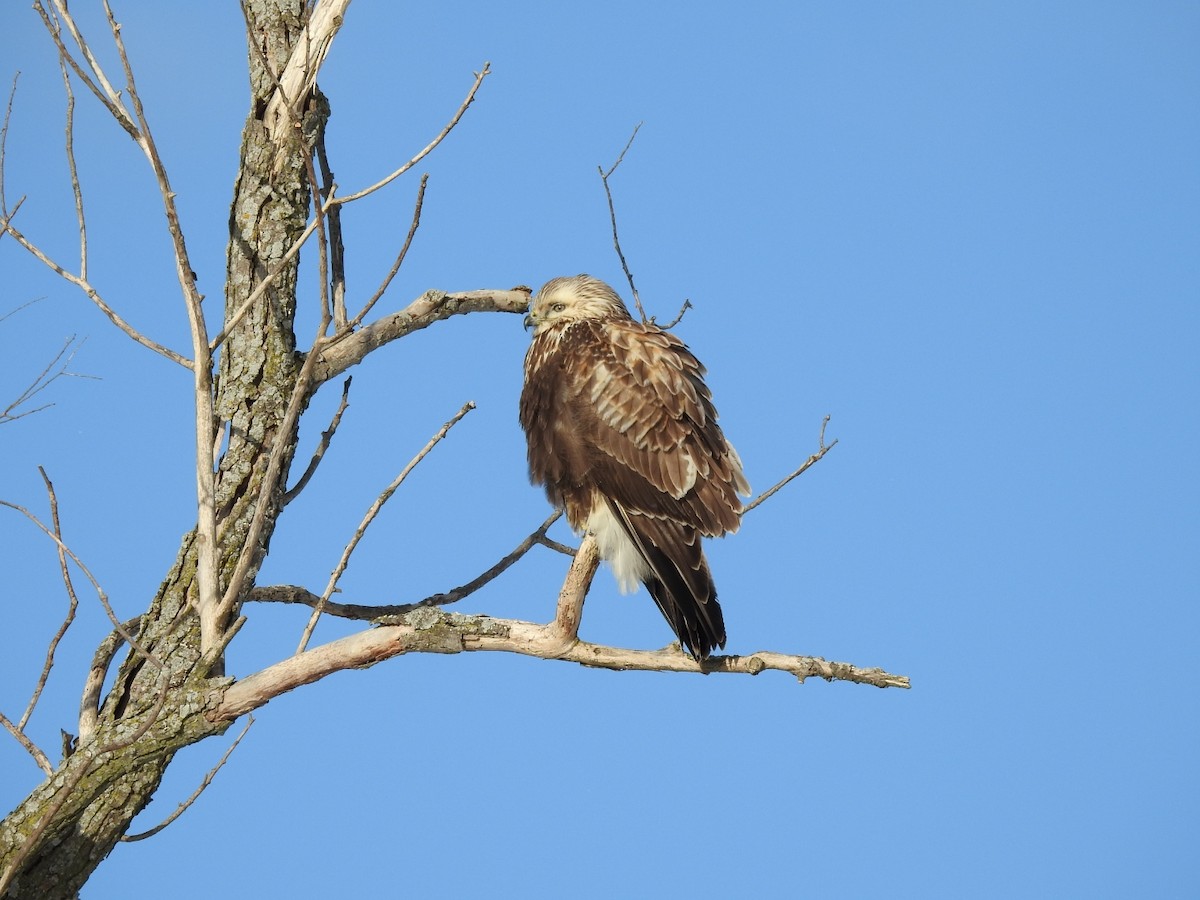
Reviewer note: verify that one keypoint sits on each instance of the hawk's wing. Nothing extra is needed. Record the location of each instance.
(639, 397)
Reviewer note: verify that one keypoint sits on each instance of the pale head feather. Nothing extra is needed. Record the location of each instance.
(573, 298)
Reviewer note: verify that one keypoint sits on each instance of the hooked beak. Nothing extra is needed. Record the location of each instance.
(529, 321)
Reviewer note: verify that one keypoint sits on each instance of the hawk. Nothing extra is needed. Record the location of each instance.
(623, 434)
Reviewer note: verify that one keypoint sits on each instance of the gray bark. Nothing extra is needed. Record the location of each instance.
(160, 699)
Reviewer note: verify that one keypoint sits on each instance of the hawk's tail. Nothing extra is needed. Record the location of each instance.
(679, 580)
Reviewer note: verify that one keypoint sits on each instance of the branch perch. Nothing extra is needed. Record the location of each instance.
(434, 631)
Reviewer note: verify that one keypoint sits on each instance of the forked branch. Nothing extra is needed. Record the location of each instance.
(51, 373)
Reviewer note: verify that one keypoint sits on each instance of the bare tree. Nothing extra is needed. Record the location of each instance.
(252, 380)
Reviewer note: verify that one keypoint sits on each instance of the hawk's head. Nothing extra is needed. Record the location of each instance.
(571, 299)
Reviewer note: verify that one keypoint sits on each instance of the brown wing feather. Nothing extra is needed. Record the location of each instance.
(682, 585)
(643, 404)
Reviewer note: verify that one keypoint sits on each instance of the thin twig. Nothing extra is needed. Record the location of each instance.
(479, 77)
(290, 593)
(72, 605)
(612, 215)
(104, 92)
(12, 93)
(31, 748)
(371, 513)
(43, 381)
(4, 230)
(458, 593)
(556, 546)
(75, 186)
(412, 230)
(100, 593)
(27, 303)
(322, 446)
(804, 467)
(212, 773)
(84, 285)
(687, 304)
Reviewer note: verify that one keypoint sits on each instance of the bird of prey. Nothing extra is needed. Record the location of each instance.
(623, 433)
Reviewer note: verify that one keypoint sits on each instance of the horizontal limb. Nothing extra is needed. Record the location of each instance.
(435, 631)
(350, 349)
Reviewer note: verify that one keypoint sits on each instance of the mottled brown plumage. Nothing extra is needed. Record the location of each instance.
(623, 433)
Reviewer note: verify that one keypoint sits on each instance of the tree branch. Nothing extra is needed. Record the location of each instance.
(434, 631)
(367, 519)
(195, 795)
(72, 605)
(337, 245)
(318, 454)
(612, 215)
(23, 739)
(76, 189)
(202, 361)
(804, 467)
(4, 213)
(426, 630)
(350, 349)
(412, 230)
(479, 77)
(43, 381)
(290, 593)
(89, 703)
(92, 294)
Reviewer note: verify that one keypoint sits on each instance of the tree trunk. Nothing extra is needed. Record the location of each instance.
(53, 841)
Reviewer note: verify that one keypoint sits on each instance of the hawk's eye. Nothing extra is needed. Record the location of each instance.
(558, 307)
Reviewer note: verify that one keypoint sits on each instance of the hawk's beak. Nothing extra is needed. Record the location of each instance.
(529, 322)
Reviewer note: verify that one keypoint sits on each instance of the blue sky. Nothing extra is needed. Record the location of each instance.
(968, 232)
